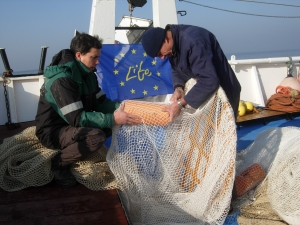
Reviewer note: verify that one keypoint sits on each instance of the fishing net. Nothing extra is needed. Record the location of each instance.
(25, 162)
(180, 172)
(287, 96)
(284, 102)
(260, 211)
(277, 199)
(150, 113)
(284, 179)
(249, 179)
(94, 173)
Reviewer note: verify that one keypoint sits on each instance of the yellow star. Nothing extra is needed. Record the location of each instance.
(132, 91)
(145, 54)
(122, 55)
(145, 92)
(158, 74)
(133, 51)
(155, 88)
(116, 60)
(116, 72)
(153, 62)
(122, 83)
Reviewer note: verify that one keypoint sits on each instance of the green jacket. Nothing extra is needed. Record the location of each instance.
(71, 96)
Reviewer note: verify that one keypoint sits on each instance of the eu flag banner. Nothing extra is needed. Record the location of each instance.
(126, 72)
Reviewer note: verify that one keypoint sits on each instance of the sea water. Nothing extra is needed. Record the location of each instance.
(25, 72)
(238, 56)
(264, 54)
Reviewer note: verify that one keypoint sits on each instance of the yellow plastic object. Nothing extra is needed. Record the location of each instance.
(241, 110)
(249, 106)
(150, 112)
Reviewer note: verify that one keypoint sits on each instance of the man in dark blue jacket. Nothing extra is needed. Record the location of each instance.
(193, 52)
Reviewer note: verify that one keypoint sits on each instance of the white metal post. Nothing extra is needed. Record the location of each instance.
(164, 13)
(258, 90)
(12, 102)
(102, 22)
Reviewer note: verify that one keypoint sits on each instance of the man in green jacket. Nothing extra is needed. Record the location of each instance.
(74, 116)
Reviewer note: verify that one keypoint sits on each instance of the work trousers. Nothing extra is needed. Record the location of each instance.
(78, 142)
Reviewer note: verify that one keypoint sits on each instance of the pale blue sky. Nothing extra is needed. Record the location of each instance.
(26, 25)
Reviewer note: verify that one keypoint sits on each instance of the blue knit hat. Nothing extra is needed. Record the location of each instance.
(152, 40)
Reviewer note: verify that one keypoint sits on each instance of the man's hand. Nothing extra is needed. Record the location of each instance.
(123, 118)
(178, 94)
(174, 109)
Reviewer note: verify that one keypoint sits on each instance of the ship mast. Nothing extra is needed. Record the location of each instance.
(103, 15)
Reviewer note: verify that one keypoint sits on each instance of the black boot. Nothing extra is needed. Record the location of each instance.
(62, 174)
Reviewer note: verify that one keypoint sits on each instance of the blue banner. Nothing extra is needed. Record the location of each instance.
(126, 72)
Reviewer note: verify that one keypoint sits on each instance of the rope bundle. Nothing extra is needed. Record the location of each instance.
(285, 103)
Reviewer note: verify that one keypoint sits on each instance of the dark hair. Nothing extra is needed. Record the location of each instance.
(84, 42)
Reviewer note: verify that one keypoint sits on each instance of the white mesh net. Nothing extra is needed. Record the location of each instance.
(260, 211)
(277, 151)
(284, 178)
(181, 173)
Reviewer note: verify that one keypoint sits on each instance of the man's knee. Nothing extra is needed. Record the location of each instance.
(91, 141)
(81, 142)
(96, 139)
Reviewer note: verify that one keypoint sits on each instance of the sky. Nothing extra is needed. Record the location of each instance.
(27, 25)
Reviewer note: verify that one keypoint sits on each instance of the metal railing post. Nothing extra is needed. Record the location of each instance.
(43, 59)
(8, 71)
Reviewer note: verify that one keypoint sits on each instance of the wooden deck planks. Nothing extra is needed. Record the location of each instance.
(263, 114)
(51, 204)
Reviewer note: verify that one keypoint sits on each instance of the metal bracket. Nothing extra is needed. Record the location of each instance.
(182, 12)
(233, 62)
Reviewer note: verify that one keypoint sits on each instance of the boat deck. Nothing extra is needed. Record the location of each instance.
(51, 204)
(249, 129)
(263, 114)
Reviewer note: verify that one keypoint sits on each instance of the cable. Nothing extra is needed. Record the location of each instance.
(267, 3)
(249, 14)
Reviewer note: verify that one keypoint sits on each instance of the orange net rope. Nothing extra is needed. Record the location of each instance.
(249, 179)
(283, 90)
(150, 112)
(284, 103)
(286, 99)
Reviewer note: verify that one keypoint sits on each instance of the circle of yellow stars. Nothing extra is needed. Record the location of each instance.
(122, 83)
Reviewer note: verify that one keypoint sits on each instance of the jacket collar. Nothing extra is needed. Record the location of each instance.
(175, 33)
(82, 68)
